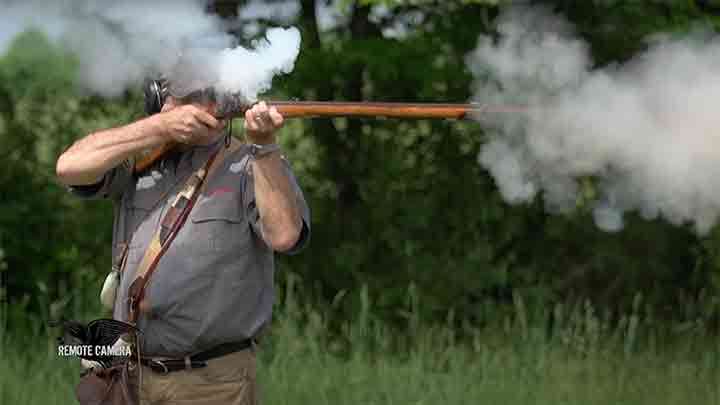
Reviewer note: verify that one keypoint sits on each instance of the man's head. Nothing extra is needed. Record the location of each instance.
(159, 91)
(162, 96)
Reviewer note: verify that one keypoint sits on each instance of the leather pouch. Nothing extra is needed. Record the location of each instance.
(111, 386)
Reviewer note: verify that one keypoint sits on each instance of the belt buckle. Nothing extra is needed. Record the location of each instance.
(164, 371)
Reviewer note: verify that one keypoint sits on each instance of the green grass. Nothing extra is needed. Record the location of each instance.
(514, 361)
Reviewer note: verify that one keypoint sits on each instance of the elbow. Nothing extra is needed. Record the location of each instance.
(63, 170)
(286, 239)
(70, 172)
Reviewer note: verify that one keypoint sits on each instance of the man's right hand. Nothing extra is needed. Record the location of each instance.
(190, 124)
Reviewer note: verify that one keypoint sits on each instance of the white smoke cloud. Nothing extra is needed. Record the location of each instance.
(251, 71)
(278, 10)
(118, 43)
(329, 14)
(647, 131)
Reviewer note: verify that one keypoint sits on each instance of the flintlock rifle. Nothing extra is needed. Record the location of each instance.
(231, 108)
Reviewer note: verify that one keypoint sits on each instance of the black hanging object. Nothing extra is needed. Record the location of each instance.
(100, 332)
(228, 135)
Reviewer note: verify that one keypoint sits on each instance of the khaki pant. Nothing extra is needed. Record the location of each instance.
(229, 379)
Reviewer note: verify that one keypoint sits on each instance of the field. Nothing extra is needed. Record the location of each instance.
(518, 360)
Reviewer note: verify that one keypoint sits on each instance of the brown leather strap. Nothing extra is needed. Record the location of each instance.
(171, 223)
(119, 261)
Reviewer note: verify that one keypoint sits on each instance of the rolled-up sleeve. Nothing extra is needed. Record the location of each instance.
(253, 214)
(112, 185)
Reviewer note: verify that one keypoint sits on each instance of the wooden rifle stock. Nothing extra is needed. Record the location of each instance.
(310, 109)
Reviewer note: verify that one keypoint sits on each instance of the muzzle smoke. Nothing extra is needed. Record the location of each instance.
(118, 43)
(647, 131)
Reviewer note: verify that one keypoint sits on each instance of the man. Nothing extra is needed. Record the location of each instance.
(212, 290)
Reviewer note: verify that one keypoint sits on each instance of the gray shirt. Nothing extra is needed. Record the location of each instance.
(215, 282)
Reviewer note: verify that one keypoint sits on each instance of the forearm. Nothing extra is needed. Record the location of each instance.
(88, 159)
(277, 202)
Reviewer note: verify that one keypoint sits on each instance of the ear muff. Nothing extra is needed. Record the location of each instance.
(155, 94)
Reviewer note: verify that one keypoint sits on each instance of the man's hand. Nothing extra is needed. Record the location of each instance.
(261, 123)
(190, 124)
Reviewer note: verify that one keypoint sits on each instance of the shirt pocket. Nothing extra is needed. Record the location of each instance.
(142, 205)
(148, 190)
(219, 220)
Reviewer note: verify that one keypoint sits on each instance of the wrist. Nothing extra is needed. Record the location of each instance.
(161, 127)
(260, 151)
(259, 138)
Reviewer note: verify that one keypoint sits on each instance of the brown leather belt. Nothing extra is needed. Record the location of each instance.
(198, 360)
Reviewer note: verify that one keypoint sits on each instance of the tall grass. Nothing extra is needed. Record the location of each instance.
(567, 354)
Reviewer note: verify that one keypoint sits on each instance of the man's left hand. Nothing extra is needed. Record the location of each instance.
(261, 123)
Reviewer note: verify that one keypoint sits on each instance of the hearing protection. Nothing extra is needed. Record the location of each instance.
(155, 90)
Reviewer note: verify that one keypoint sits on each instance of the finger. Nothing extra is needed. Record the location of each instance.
(260, 119)
(207, 119)
(204, 134)
(276, 118)
(250, 122)
(199, 126)
(184, 137)
(264, 112)
(262, 107)
(168, 104)
(199, 135)
(255, 111)
(265, 121)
